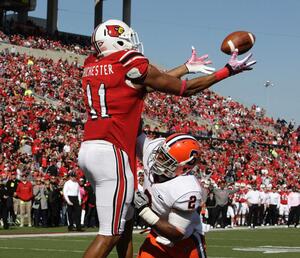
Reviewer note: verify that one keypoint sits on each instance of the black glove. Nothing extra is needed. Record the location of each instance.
(141, 201)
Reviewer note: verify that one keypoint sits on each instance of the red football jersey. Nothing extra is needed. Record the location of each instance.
(283, 197)
(114, 106)
(241, 195)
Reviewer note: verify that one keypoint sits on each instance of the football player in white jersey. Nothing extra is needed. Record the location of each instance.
(170, 203)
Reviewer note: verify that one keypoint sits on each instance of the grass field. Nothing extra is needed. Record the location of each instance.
(260, 243)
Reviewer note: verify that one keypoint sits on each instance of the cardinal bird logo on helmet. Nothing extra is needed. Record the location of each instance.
(115, 30)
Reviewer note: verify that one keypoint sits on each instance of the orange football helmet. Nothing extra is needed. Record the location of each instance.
(177, 155)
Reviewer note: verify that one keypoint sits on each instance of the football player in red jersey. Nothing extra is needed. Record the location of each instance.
(283, 206)
(115, 81)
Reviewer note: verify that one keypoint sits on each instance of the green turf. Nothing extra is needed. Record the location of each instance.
(33, 230)
(219, 244)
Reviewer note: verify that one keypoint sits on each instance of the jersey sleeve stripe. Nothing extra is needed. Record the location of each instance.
(130, 56)
(133, 59)
(128, 53)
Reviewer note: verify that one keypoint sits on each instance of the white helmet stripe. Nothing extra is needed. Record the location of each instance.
(177, 138)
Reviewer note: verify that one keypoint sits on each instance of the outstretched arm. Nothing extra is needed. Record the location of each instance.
(194, 64)
(169, 84)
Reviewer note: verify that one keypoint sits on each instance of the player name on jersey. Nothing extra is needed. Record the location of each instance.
(95, 70)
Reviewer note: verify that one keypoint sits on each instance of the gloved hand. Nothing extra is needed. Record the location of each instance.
(199, 64)
(237, 66)
(141, 201)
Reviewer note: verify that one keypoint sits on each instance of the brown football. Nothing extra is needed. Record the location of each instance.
(242, 40)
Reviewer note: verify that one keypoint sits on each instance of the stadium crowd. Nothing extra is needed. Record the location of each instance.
(39, 40)
(41, 126)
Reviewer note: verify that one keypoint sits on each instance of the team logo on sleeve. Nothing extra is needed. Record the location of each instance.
(134, 73)
(115, 30)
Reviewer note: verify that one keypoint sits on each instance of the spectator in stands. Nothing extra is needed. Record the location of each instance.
(222, 197)
(253, 200)
(52, 169)
(273, 207)
(63, 211)
(91, 218)
(263, 200)
(4, 195)
(294, 207)
(12, 202)
(40, 203)
(54, 202)
(211, 208)
(25, 194)
(72, 196)
(84, 197)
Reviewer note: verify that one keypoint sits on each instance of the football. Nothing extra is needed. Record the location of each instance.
(242, 40)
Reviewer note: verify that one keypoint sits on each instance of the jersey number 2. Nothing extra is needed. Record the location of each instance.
(192, 202)
(102, 101)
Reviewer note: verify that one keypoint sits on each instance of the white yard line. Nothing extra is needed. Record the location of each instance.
(41, 249)
(135, 232)
(60, 250)
(49, 235)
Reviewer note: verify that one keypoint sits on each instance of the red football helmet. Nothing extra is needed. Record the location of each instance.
(177, 155)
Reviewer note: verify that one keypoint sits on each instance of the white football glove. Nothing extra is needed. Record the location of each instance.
(199, 64)
(237, 66)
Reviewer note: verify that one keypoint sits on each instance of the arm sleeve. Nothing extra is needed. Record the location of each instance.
(79, 195)
(247, 196)
(233, 191)
(289, 201)
(135, 65)
(65, 192)
(180, 219)
(18, 190)
(141, 140)
(35, 191)
(31, 191)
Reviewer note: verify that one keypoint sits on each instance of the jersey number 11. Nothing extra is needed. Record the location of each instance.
(102, 100)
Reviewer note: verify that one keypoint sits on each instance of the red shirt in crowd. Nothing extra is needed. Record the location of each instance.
(24, 191)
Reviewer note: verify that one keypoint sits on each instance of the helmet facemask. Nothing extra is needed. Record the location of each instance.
(132, 41)
(166, 165)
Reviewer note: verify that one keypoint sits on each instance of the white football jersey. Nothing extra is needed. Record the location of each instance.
(178, 195)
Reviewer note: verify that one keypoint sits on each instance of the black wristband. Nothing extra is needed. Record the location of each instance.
(231, 71)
